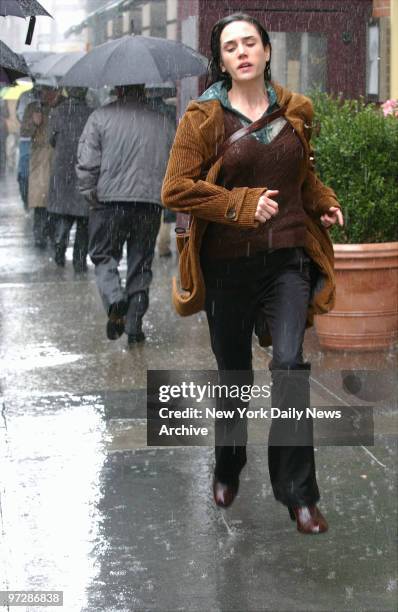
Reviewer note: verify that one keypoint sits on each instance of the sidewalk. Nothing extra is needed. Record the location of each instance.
(87, 508)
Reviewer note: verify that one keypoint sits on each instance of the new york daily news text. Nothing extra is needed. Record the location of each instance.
(199, 393)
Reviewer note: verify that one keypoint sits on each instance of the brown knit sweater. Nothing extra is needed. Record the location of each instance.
(199, 134)
(252, 163)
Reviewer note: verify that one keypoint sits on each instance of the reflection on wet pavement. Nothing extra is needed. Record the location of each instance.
(53, 454)
(88, 508)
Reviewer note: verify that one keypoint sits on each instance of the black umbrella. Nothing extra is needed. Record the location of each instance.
(133, 60)
(23, 8)
(56, 65)
(12, 65)
(31, 57)
(34, 57)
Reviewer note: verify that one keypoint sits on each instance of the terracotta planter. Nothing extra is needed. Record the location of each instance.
(365, 316)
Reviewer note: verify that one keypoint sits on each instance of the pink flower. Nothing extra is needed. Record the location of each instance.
(390, 107)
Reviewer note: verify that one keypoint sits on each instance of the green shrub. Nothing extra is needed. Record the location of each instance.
(356, 154)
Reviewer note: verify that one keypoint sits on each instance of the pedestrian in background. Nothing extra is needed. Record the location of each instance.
(4, 115)
(66, 205)
(35, 120)
(25, 137)
(122, 159)
(250, 252)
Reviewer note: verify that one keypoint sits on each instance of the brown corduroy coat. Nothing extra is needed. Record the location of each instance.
(199, 134)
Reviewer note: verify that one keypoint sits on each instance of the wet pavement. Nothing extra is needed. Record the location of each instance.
(87, 508)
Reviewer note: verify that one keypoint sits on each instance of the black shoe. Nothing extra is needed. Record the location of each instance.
(135, 338)
(116, 321)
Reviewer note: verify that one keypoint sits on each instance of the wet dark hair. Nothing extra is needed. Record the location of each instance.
(214, 72)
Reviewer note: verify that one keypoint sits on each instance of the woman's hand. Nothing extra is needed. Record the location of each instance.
(267, 208)
(333, 215)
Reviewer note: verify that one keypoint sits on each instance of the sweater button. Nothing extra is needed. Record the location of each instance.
(231, 213)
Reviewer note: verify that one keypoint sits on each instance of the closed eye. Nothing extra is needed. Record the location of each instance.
(249, 43)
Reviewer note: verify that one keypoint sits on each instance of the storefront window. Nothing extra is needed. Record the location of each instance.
(299, 60)
(373, 46)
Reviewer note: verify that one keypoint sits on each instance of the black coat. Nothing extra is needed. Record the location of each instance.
(66, 124)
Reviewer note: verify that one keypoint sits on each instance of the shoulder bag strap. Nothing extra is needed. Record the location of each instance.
(253, 127)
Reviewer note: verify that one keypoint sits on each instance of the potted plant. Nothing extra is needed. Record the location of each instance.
(356, 152)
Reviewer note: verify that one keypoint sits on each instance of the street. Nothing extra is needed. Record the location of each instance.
(88, 509)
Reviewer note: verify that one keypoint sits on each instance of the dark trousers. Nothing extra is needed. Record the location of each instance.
(279, 283)
(3, 150)
(23, 170)
(61, 232)
(111, 225)
(40, 226)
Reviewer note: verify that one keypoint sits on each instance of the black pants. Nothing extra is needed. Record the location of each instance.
(279, 282)
(23, 183)
(62, 227)
(111, 225)
(23, 170)
(3, 151)
(40, 226)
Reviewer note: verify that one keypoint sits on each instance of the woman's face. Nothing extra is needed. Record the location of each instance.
(50, 96)
(242, 53)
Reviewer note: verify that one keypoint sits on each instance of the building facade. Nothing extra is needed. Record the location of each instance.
(108, 20)
(338, 46)
(316, 43)
(385, 14)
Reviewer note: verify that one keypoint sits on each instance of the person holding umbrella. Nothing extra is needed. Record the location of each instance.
(65, 203)
(257, 247)
(24, 100)
(122, 158)
(35, 123)
(12, 66)
(4, 116)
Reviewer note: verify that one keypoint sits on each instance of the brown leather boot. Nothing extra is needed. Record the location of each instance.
(309, 519)
(224, 494)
